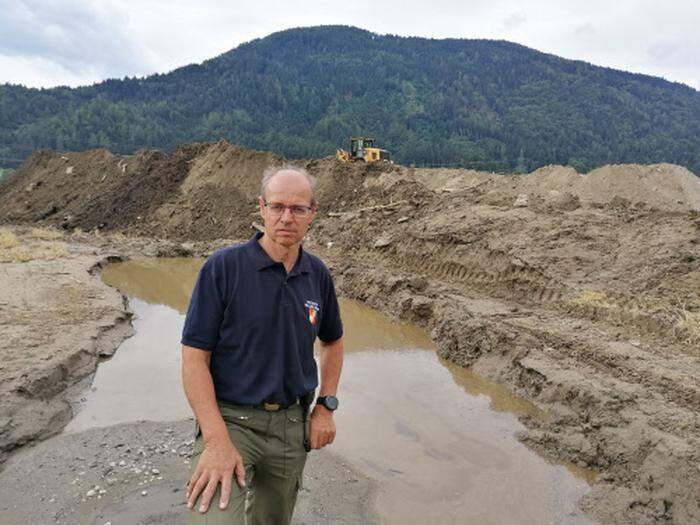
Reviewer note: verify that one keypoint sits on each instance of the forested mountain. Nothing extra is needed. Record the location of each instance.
(302, 92)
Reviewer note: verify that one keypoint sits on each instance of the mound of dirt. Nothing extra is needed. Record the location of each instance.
(661, 186)
(208, 191)
(94, 189)
(581, 292)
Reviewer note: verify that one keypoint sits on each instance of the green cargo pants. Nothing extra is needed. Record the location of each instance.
(271, 445)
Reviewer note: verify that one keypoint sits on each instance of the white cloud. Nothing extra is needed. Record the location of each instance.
(83, 39)
(514, 21)
(78, 42)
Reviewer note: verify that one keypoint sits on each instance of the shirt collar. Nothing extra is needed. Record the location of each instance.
(262, 260)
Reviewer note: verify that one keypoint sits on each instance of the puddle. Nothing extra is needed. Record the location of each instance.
(439, 440)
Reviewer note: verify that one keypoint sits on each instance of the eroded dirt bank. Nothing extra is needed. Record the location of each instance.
(580, 293)
(57, 319)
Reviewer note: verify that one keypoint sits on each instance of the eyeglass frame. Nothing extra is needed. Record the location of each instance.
(308, 210)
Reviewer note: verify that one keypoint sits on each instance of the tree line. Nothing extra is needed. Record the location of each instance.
(302, 93)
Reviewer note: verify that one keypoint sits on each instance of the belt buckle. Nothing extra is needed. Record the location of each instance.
(271, 407)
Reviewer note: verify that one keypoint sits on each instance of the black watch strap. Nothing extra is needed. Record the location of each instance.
(330, 402)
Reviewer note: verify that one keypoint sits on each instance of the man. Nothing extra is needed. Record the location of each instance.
(247, 361)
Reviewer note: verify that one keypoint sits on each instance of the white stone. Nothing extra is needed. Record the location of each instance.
(522, 201)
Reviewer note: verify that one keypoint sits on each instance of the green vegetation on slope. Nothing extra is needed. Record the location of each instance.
(303, 92)
(4, 172)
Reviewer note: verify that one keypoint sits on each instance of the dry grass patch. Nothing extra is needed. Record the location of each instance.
(15, 254)
(8, 239)
(13, 251)
(53, 250)
(594, 298)
(687, 321)
(119, 236)
(46, 234)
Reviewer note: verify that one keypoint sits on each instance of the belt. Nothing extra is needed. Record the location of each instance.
(274, 407)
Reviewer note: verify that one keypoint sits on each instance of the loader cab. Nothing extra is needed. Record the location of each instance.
(358, 145)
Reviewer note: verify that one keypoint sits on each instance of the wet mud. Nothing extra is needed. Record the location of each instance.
(581, 293)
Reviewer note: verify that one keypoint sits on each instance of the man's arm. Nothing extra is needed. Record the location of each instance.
(220, 459)
(322, 425)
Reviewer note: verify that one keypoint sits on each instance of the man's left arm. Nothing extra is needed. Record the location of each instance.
(322, 426)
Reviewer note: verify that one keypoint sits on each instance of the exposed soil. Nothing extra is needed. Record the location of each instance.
(579, 292)
(57, 320)
(136, 474)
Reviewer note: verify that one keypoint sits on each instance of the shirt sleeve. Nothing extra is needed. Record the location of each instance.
(206, 309)
(331, 328)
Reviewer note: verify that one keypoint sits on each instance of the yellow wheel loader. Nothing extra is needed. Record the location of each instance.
(362, 148)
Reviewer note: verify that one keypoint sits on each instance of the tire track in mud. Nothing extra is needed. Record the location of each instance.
(627, 410)
(484, 270)
(500, 275)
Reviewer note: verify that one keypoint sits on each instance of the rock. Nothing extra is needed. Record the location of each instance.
(50, 210)
(522, 201)
(418, 283)
(155, 471)
(144, 493)
(402, 219)
(382, 241)
(90, 493)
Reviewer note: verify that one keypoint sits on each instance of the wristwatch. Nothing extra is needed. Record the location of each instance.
(330, 402)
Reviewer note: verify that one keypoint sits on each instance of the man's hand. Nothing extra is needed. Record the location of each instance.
(322, 427)
(218, 463)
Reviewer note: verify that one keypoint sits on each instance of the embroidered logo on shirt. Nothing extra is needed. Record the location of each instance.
(312, 308)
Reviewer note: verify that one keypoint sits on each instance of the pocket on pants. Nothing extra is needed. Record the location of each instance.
(240, 416)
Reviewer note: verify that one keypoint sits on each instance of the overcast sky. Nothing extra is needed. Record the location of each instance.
(71, 42)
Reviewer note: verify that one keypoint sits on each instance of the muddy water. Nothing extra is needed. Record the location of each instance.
(439, 440)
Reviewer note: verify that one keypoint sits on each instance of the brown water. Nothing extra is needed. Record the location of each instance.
(439, 440)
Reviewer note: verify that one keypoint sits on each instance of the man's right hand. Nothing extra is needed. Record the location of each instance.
(218, 463)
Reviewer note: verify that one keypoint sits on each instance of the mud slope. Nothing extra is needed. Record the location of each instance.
(580, 292)
(56, 320)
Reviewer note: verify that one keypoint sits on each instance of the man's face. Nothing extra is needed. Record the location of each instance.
(291, 190)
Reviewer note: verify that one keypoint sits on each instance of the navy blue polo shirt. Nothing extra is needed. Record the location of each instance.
(260, 322)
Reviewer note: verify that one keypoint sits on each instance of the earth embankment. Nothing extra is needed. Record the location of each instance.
(579, 292)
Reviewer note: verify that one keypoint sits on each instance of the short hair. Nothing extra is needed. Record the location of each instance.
(271, 171)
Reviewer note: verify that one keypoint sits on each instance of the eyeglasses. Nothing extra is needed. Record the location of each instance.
(276, 208)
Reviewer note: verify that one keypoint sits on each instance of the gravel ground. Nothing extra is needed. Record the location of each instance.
(136, 474)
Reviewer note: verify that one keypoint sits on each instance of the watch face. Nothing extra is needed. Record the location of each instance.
(330, 402)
